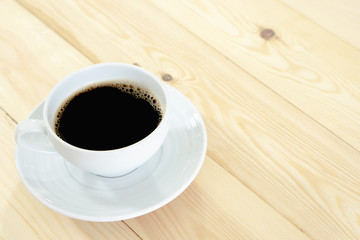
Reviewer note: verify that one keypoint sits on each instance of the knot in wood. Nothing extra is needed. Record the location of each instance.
(166, 77)
(267, 33)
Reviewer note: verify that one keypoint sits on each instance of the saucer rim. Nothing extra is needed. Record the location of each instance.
(133, 214)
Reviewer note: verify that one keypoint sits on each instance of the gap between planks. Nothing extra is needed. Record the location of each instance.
(8, 115)
(132, 230)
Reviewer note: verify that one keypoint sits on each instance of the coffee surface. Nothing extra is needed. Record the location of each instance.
(107, 117)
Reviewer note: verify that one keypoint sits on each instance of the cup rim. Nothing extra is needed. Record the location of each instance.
(98, 65)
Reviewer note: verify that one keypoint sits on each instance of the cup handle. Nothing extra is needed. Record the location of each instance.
(32, 127)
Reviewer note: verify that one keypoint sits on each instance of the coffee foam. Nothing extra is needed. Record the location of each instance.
(126, 86)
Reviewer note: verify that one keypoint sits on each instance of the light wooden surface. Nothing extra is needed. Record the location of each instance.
(278, 86)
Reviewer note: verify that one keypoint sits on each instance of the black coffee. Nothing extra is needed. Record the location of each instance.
(108, 116)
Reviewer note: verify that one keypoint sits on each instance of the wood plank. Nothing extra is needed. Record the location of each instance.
(23, 217)
(19, 210)
(232, 203)
(297, 166)
(207, 210)
(30, 67)
(341, 18)
(34, 59)
(313, 69)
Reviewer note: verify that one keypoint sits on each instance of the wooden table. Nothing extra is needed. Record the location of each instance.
(278, 86)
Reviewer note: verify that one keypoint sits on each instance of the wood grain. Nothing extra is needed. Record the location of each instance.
(30, 66)
(236, 212)
(23, 217)
(292, 162)
(341, 18)
(294, 59)
(34, 59)
(19, 210)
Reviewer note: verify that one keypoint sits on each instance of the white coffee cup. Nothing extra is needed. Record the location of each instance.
(109, 163)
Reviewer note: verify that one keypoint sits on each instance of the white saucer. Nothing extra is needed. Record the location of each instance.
(78, 194)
